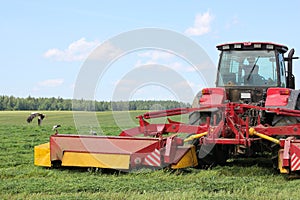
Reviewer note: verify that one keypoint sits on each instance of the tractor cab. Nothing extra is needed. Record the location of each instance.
(248, 69)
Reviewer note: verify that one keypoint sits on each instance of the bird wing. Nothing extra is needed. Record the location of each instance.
(56, 126)
(31, 117)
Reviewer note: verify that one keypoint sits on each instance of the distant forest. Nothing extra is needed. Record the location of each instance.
(32, 103)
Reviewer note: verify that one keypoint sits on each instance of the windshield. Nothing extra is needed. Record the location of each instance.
(247, 68)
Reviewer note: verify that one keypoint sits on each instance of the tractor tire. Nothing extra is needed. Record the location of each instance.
(211, 155)
(205, 155)
(197, 118)
(196, 101)
(208, 155)
(281, 120)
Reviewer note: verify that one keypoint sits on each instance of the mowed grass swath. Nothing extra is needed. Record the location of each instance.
(20, 179)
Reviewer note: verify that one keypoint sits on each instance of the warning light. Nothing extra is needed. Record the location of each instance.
(206, 91)
(284, 92)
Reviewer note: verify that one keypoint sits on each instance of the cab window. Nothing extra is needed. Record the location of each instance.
(247, 68)
(282, 70)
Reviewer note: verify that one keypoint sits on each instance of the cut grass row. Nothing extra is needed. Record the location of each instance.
(20, 179)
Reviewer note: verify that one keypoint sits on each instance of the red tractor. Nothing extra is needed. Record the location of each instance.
(254, 94)
(253, 111)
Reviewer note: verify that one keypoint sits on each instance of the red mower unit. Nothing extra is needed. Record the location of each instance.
(253, 111)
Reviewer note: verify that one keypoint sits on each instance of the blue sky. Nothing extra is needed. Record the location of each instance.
(44, 43)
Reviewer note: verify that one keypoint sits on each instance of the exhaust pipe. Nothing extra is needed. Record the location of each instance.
(290, 77)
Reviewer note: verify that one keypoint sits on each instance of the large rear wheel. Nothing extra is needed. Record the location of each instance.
(208, 155)
(282, 120)
(198, 118)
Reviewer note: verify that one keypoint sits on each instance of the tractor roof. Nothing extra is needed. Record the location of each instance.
(252, 46)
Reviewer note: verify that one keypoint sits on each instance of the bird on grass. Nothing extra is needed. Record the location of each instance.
(55, 128)
(92, 132)
(35, 114)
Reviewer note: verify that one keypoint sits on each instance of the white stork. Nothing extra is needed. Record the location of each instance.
(35, 114)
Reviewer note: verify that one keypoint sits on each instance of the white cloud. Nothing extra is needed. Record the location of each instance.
(148, 62)
(174, 65)
(125, 82)
(106, 52)
(179, 66)
(76, 51)
(51, 83)
(156, 55)
(201, 26)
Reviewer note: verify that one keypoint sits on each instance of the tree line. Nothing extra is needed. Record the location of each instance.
(42, 103)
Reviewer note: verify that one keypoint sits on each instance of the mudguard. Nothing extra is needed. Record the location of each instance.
(282, 98)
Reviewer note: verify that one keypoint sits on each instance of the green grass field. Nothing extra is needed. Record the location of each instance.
(20, 179)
